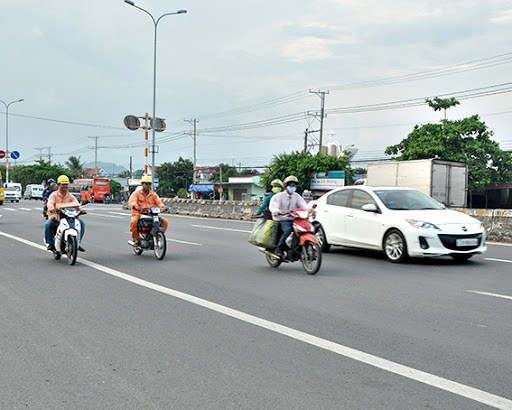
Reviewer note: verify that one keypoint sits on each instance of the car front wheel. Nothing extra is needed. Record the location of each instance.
(322, 240)
(395, 247)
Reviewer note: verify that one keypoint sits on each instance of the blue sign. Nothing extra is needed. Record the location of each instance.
(156, 182)
(15, 154)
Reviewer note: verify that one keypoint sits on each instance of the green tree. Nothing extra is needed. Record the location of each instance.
(302, 165)
(37, 173)
(174, 176)
(466, 140)
(438, 104)
(115, 188)
(74, 165)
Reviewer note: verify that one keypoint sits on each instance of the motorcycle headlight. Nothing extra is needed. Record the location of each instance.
(422, 224)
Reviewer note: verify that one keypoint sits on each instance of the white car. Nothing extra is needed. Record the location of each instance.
(12, 192)
(401, 222)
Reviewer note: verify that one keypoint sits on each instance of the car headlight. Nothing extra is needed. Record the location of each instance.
(422, 224)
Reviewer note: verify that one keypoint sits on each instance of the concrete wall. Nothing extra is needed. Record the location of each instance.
(497, 222)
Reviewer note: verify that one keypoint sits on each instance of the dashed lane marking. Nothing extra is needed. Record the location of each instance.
(221, 229)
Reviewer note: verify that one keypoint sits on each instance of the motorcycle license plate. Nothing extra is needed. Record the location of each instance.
(466, 242)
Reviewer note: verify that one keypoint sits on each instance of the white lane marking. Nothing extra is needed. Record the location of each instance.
(496, 295)
(25, 209)
(498, 260)
(10, 209)
(106, 216)
(220, 229)
(185, 242)
(375, 361)
(119, 213)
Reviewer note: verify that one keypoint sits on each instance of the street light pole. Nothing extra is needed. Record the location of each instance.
(155, 23)
(7, 135)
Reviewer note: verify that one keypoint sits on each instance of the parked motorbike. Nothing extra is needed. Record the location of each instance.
(302, 243)
(152, 235)
(67, 236)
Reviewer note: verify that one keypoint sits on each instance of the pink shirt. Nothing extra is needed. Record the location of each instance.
(57, 198)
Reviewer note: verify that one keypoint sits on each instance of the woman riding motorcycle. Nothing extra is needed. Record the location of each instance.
(276, 187)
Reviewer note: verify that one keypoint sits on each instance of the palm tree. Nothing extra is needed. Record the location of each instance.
(74, 165)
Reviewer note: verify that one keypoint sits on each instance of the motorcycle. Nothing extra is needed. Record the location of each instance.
(67, 235)
(302, 243)
(152, 235)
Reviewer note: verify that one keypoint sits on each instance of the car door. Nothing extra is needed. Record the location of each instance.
(363, 228)
(334, 216)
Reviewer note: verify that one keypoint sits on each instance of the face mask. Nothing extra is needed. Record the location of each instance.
(291, 189)
(276, 189)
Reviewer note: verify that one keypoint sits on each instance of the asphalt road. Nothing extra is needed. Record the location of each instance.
(213, 326)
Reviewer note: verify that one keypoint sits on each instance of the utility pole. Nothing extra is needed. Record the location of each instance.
(321, 94)
(95, 153)
(194, 121)
(40, 152)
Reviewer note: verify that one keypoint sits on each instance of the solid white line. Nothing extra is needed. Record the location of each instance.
(375, 361)
(498, 260)
(496, 295)
(220, 229)
(185, 242)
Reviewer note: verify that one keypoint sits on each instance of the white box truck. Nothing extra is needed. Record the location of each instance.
(445, 181)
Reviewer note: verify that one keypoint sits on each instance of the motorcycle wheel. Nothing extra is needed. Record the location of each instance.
(72, 249)
(311, 257)
(160, 245)
(273, 261)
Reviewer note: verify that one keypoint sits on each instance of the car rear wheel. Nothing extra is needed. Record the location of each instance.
(395, 247)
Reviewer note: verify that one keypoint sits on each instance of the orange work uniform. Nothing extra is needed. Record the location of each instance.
(140, 199)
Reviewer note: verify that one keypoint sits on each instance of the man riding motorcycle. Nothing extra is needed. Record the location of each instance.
(61, 196)
(279, 206)
(143, 198)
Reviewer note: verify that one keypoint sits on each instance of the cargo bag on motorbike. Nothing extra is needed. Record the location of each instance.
(264, 233)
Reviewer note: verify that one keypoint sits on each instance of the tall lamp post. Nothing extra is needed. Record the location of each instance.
(7, 135)
(155, 23)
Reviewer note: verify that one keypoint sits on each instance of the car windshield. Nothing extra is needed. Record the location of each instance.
(407, 200)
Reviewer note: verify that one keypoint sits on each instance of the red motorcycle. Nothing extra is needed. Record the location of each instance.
(302, 243)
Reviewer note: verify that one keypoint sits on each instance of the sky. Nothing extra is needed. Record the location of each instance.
(250, 72)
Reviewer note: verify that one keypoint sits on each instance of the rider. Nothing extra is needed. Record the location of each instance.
(279, 206)
(140, 199)
(50, 187)
(276, 187)
(61, 196)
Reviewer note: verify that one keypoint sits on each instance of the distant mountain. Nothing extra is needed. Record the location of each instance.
(109, 167)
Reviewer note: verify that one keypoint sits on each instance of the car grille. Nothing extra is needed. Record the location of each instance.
(449, 241)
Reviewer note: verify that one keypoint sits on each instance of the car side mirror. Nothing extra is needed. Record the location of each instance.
(371, 208)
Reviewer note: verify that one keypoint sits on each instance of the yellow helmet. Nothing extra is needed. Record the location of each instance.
(63, 179)
(146, 178)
